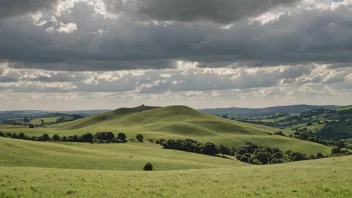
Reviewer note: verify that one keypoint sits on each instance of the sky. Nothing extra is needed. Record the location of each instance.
(107, 54)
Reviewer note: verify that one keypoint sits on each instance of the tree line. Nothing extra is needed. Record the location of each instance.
(99, 137)
(249, 153)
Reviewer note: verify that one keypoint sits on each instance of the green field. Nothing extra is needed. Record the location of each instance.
(36, 169)
(46, 120)
(176, 122)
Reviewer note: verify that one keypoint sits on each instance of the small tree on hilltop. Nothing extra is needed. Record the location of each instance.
(148, 167)
(140, 137)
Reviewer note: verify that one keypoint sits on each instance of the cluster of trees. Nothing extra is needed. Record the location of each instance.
(254, 154)
(101, 137)
(189, 145)
(250, 153)
(311, 137)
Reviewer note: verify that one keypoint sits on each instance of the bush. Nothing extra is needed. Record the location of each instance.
(45, 137)
(244, 159)
(297, 156)
(14, 135)
(31, 126)
(88, 137)
(224, 150)
(34, 138)
(148, 167)
(2, 134)
(56, 137)
(122, 137)
(210, 148)
(21, 135)
(140, 137)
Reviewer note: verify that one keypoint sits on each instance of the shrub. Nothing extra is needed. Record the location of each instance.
(8, 134)
(21, 135)
(140, 137)
(34, 138)
(45, 137)
(244, 159)
(56, 137)
(14, 135)
(210, 148)
(88, 137)
(256, 162)
(224, 150)
(320, 155)
(122, 137)
(263, 157)
(148, 167)
(2, 134)
(31, 126)
(297, 156)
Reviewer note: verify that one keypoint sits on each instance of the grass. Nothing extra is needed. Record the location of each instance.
(315, 178)
(46, 120)
(102, 156)
(176, 122)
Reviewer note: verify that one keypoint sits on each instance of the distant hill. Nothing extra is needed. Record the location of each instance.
(182, 122)
(38, 113)
(265, 111)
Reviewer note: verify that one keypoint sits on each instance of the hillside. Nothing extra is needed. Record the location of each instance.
(265, 111)
(36, 169)
(177, 122)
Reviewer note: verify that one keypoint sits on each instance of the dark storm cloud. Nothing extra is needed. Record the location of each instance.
(222, 11)
(304, 36)
(11, 8)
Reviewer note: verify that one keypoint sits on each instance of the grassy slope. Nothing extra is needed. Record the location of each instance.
(178, 122)
(102, 156)
(316, 178)
(46, 120)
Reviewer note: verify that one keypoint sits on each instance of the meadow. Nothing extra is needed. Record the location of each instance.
(175, 122)
(67, 169)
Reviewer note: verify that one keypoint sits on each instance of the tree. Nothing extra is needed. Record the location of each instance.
(88, 137)
(45, 137)
(139, 137)
(148, 167)
(122, 137)
(56, 137)
(21, 135)
(341, 144)
(26, 120)
(31, 126)
(224, 150)
(2, 134)
(210, 149)
(297, 156)
(14, 135)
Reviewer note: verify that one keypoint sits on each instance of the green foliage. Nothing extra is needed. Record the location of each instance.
(140, 137)
(148, 167)
(56, 137)
(122, 137)
(88, 137)
(210, 148)
(224, 150)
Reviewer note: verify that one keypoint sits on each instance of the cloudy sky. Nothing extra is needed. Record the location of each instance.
(106, 54)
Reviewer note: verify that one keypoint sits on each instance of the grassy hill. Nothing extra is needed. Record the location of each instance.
(36, 169)
(177, 122)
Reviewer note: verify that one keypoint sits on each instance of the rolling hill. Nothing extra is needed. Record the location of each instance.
(266, 111)
(177, 122)
(37, 169)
